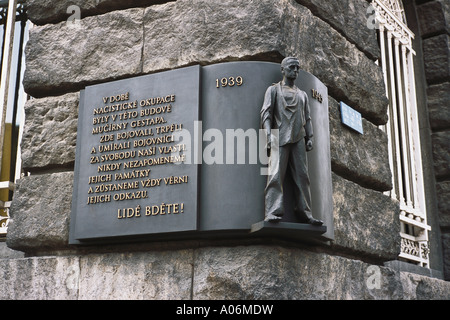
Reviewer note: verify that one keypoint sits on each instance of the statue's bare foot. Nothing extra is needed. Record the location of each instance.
(272, 218)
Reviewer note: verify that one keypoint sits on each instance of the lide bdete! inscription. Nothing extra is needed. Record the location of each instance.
(129, 166)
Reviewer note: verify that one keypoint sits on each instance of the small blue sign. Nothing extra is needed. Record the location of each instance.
(351, 118)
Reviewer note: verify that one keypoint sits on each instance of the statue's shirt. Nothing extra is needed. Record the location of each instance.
(290, 96)
(288, 111)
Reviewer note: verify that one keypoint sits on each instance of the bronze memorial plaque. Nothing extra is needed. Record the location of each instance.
(131, 177)
(183, 153)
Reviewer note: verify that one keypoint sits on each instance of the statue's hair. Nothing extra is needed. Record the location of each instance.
(288, 60)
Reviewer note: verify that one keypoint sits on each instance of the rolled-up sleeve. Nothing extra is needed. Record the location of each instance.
(267, 108)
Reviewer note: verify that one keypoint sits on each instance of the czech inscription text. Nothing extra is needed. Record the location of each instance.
(132, 137)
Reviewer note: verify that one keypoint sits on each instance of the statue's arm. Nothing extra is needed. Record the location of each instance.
(267, 114)
(309, 140)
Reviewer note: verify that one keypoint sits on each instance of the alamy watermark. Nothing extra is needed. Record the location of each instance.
(372, 18)
(231, 146)
(73, 277)
(74, 20)
(373, 277)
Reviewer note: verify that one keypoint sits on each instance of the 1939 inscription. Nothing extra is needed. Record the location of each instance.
(229, 82)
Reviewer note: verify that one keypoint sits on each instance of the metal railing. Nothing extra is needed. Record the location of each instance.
(402, 129)
(13, 37)
(4, 208)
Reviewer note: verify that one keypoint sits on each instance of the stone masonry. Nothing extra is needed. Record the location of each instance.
(121, 39)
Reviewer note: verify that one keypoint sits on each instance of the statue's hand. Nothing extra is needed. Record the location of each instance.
(268, 143)
(267, 128)
(309, 145)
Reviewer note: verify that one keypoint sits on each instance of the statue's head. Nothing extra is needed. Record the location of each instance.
(290, 67)
(290, 60)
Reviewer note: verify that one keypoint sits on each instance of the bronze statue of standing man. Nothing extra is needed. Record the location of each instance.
(286, 109)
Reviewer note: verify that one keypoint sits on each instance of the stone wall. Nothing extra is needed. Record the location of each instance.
(434, 23)
(121, 39)
(242, 272)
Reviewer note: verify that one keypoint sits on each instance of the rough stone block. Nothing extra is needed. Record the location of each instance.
(49, 278)
(40, 212)
(62, 58)
(434, 17)
(49, 11)
(261, 272)
(365, 221)
(156, 275)
(7, 253)
(348, 17)
(436, 53)
(360, 158)
(418, 287)
(438, 106)
(50, 131)
(446, 255)
(186, 32)
(441, 153)
(443, 201)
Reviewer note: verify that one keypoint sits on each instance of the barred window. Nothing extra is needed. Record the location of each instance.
(402, 129)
